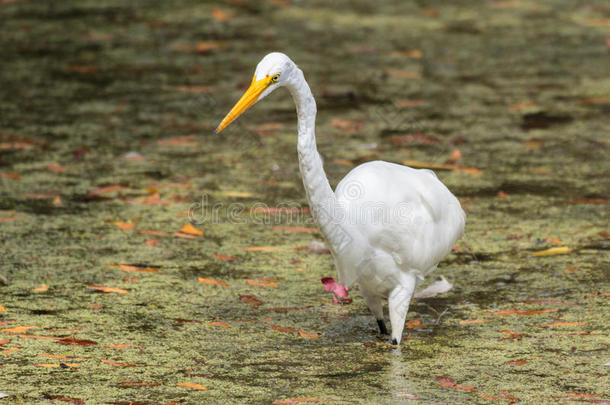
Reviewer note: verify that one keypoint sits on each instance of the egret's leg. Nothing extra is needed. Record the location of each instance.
(375, 304)
(399, 300)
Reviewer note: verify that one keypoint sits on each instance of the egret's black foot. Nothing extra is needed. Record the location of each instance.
(382, 328)
(394, 342)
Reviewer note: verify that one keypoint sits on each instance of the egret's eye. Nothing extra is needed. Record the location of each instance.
(275, 77)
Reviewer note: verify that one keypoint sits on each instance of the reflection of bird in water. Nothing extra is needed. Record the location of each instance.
(387, 225)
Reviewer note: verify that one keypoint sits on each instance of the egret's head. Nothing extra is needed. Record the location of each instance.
(273, 71)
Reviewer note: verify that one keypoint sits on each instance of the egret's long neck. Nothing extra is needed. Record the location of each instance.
(319, 193)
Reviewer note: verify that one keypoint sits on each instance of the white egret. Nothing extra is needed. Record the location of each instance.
(386, 225)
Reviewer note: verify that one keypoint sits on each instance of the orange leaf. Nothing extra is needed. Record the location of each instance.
(190, 230)
(125, 226)
(152, 242)
(72, 341)
(212, 282)
(554, 240)
(261, 283)
(184, 235)
(225, 257)
(455, 156)
(127, 267)
(108, 289)
(5, 342)
(552, 325)
(522, 106)
(221, 324)
(234, 193)
(10, 350)
(42, 288)
(250, 299)
(221, 15)
(56, 168)
(121, 346)
(57, 201)
(57, 365)
(517, 362)
(415, 323)
(21, 329)
(522, 312)
(262, 248)
(309, 335)
(474, 321)
(502, 194)
(106, 189)
(534, 144)
(2, 309)
(294, 229)
(283, 329)
(402, 74)
(428, 165)
(409, 103)
(115, 363)
(192, 385)
(62, 357)
(10, 175)
(560, 250)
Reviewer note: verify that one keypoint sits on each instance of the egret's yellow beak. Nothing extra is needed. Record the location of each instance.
(247, 100)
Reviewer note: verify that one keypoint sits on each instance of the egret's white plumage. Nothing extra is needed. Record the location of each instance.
(387, 225)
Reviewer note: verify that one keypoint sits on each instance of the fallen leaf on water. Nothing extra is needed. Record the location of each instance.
(125, 226)
(191, 230)
(572, 268)
(21, 329)
(116, 363)
(139, 384)
(348, 126)
(552, 325)
(56, 168)
(294, 229)
(283, 329)
(57, 365)
(296, 401)
(474, 321)
(2, 309)
(107, 189)
(10, 350)
(309, 335)
(184, 235)
(454, 157)
(10, 175)
(262, 248)
(122, 346)
(522, 312)
(77, 401)
(129, 268)
(72, 341)
(225, 257)
(402, 74)
(560, 250)
(221, 15)
(489, 397)
(450, 383)
(409, 103)
(191, 385)
(250, 299)
(187, 140)
(233, 193)
(414, 323)
(108, 289)
(262, 283)
(152, 242)
(554, 240)
(5, 342)
(42, 288)
(517, 362)
(511, 335)
(212, 282)
(221, 324)
(502, 194)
